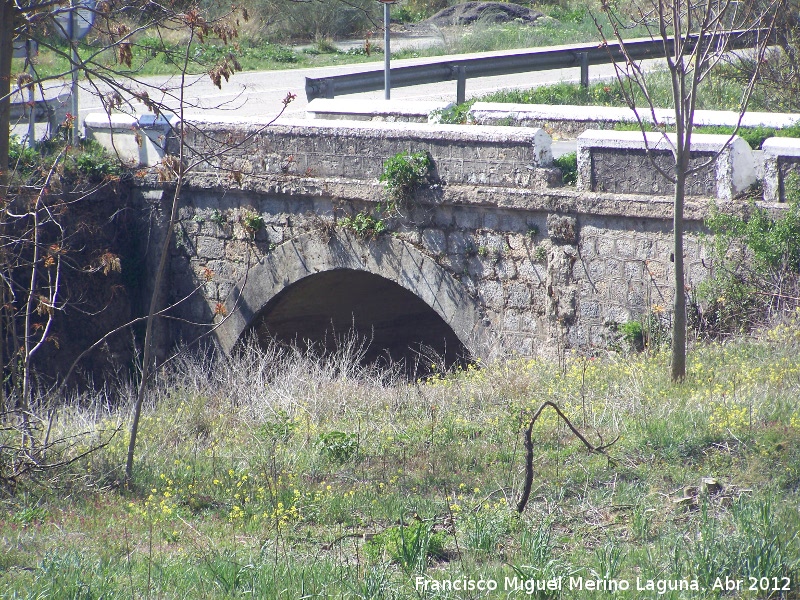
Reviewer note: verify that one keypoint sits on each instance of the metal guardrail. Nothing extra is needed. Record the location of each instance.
(52, 109)
(505, 63)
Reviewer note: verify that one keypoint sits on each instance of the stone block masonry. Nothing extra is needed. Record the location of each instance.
(498, 156)
(511, 261)
(542, 269)
(630, 162)
(781, 160)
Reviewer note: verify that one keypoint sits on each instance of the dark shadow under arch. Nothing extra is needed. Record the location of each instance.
(322, 309)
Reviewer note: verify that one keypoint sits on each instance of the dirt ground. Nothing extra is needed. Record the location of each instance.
(448, 24)
(488, 12)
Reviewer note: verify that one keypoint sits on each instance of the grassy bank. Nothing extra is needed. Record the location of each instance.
(276, 475)
(256, 51)
(722, 90)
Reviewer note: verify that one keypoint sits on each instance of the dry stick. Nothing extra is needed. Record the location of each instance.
(526, 492)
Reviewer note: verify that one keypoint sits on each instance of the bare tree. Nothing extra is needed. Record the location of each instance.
(697, 36)
(44, 267)
(125, 35)
(118, 29)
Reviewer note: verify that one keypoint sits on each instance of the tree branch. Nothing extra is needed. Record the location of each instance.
(526, 490)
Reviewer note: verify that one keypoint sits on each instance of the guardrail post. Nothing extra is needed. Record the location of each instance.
(329, 88)
(461, 84)
(584, 59)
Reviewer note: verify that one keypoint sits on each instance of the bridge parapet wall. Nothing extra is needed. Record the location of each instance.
(636, 162)
(500, 156)
(782, 161)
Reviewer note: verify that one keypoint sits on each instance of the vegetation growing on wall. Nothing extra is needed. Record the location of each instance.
(568, 163)
(363, 224)
(756, 267)
(403, 173)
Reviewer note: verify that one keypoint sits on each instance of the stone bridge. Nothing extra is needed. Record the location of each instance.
(493, 255)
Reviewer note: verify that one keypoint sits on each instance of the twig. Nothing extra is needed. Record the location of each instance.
(526, 492)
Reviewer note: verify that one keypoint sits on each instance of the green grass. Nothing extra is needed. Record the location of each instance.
(564, 27)
(257, 57)
(720, 93)
(572, 24)
(277, 475)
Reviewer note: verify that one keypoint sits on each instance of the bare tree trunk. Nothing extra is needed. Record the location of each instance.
(678, 363)
(7, 19)
(160, 273)
(147, 355)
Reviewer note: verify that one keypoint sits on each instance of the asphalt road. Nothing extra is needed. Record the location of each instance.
(260, 94)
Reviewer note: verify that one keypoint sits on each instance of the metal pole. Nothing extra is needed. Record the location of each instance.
(387, 54)
(31, 97)
(74, 89)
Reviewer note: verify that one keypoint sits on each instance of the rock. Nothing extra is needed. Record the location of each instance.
(710, 486)
(562, 228)
(685, 504)
(487, 12)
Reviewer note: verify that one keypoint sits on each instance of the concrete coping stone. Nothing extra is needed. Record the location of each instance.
(735, 164)
(481, 111)
(654, 140)
(319, 107)
(489, 133)
(137, 141)
(779, 146)
(749, 119)
(457, 135)
(774, 149)
(125, 122)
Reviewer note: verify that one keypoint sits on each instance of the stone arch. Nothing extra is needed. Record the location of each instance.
(296, 262)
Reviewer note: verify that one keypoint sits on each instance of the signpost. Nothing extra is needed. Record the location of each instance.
(387, 54)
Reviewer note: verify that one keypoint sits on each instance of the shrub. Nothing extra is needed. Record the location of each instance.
(252, 222)
(21, 157)
(316, 20)
(410, 546)
(404, 172)
(633, 334)
(568, 163)
(455, 115)
(363, 224)
(92, 161)
(756, 262)
(338, 446)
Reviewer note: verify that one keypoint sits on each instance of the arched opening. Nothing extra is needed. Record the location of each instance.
(324, 307)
